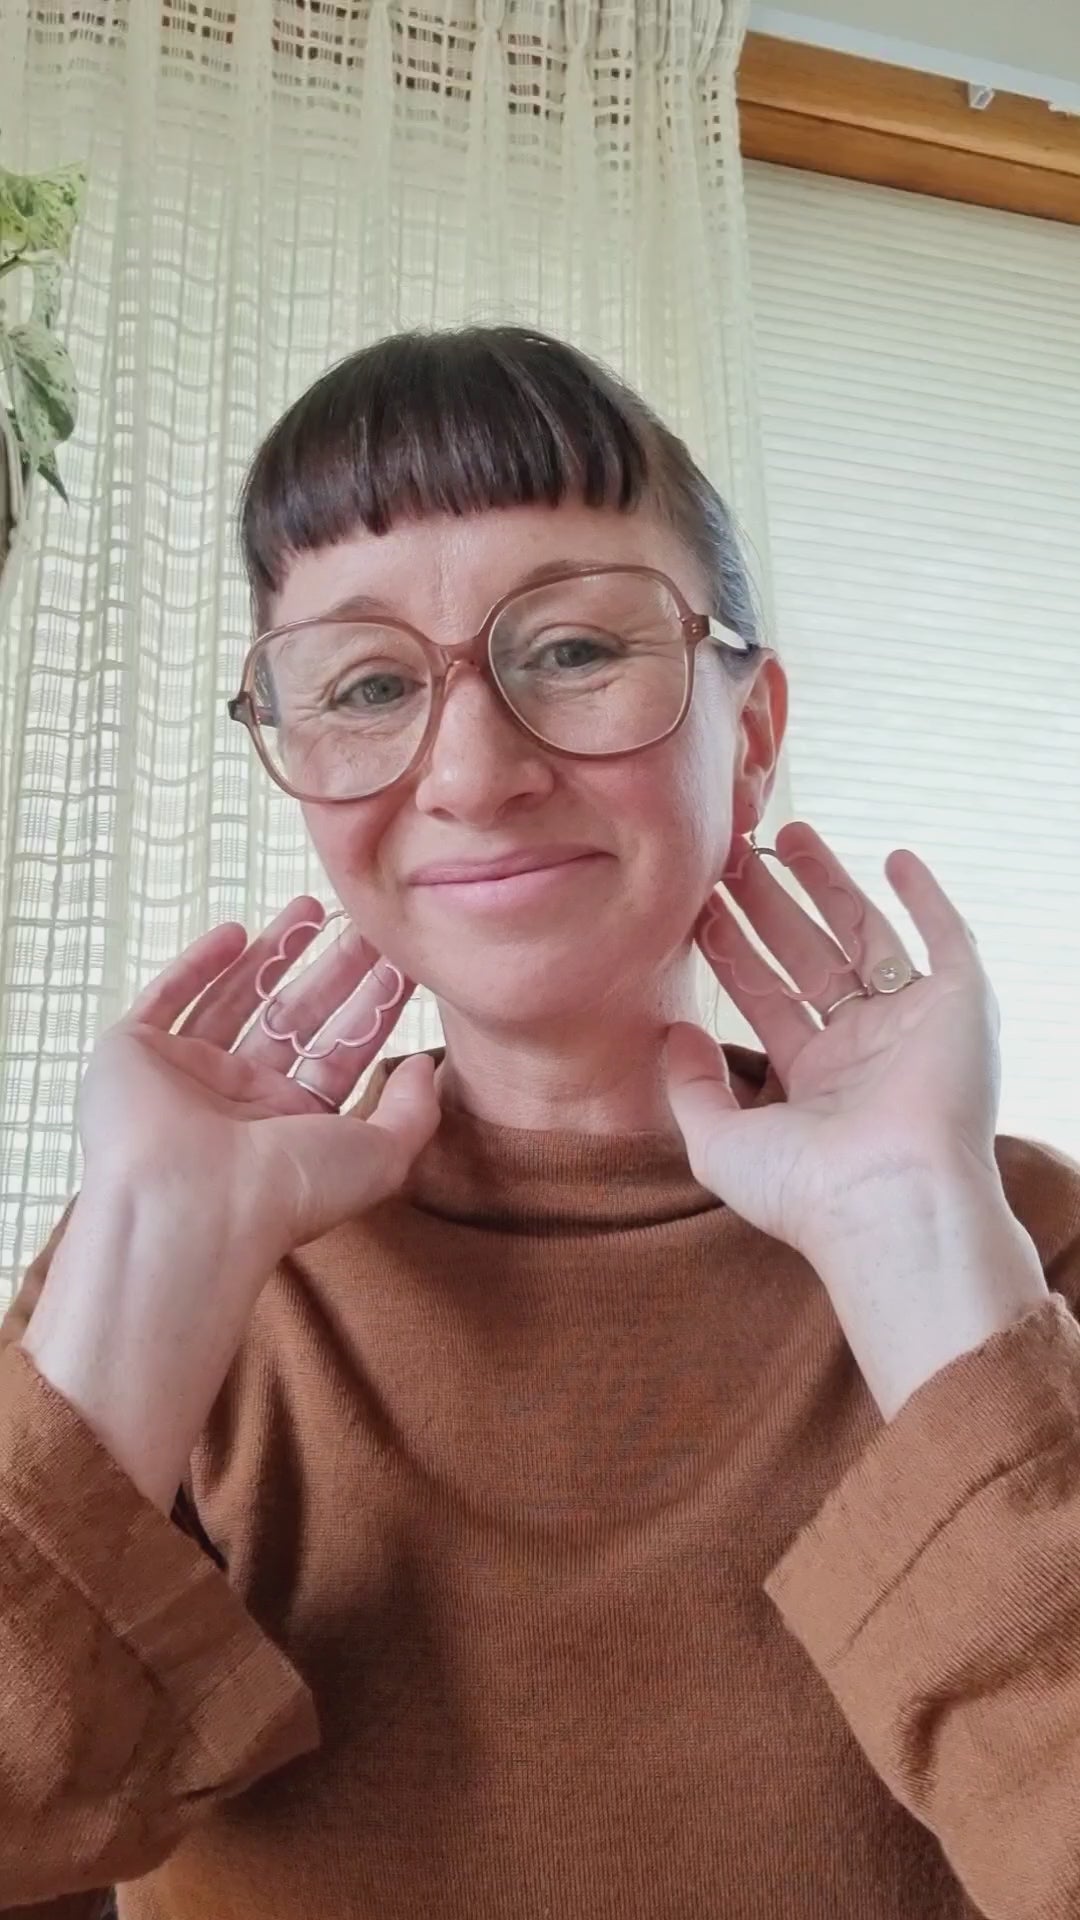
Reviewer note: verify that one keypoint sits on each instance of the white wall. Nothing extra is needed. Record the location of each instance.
(1021, 46)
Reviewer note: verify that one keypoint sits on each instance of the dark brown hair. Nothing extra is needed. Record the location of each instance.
(456, 422)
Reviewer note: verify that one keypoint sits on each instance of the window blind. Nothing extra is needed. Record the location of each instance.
(919, 373)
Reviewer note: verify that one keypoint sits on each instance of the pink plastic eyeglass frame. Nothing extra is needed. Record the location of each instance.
(476, 653)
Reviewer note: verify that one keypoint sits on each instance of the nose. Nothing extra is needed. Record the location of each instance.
(479, 764)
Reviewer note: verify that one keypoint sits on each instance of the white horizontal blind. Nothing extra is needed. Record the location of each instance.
(919, 370)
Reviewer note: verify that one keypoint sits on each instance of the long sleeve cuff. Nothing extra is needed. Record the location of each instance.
(991, 1412)
(935, 1591)
(137, 1688)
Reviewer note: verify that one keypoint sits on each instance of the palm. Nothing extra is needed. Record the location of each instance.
(171, 1079)
(892, 1079)
(215, 1105)
(880, 1064)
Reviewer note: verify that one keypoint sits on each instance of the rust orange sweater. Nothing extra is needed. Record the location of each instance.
(545, 1559)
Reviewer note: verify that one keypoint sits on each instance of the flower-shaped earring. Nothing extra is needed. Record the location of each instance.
(887, 976)
(850, 939)
(393, 990)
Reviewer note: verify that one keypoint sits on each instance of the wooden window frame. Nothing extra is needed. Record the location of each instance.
(832, 113)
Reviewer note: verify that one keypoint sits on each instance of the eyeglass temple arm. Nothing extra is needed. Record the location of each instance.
(713, 629)
(243, 708)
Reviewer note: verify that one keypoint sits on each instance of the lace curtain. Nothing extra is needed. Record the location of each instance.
(272, 184)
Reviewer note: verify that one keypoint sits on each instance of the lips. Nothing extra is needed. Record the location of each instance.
(446, 873)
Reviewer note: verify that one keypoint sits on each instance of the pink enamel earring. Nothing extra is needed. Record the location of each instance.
(389, 978)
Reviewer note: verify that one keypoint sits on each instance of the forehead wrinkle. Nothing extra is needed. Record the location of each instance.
(366, 606)
(445, 578)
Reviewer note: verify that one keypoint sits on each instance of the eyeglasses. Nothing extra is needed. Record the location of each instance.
(594, 663)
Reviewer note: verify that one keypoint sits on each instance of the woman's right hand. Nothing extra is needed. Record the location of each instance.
(206, 1163)
(210, 1109)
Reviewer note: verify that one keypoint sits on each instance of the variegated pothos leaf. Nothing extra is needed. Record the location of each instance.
(38, 212)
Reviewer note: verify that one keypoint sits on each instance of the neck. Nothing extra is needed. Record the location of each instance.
(599, 1070)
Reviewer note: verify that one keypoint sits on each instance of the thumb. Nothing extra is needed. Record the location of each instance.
(407, 1112)
(350, 1165)
(699, 1090)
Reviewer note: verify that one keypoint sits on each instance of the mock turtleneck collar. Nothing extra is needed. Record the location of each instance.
(560, 1180)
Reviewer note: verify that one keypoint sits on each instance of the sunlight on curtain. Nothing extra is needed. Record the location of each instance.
(272, 185)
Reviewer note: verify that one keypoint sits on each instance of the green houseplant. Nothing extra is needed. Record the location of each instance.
(38, 215)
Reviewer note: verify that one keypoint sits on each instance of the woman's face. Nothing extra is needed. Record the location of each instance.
(652, 831)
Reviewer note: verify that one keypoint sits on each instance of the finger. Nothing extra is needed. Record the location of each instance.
(819, 966)
(699, 1090)
(345, 1047)
(782, 1024)
(224, 1009)
(867, 935)
(171, 992)
(946, 935)
(296, 1013)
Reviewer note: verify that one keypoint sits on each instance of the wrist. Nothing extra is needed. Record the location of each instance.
(136, 1326)
(940, 1268)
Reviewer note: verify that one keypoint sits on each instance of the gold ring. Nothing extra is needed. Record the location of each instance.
(324, 1097)
(857, 993)
(892, 975)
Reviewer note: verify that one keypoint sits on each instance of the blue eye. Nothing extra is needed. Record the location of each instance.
(572, 654)
(576, 653)
(373, 691)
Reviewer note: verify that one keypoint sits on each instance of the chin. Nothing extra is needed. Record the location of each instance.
(515, 990)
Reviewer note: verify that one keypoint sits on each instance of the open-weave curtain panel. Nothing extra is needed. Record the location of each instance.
(274, 183)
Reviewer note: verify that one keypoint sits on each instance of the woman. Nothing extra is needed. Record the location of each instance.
(616, 1476)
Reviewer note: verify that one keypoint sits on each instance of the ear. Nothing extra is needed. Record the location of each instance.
(762, 724)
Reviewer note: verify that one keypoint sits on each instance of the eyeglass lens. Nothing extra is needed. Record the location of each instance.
(593, 665)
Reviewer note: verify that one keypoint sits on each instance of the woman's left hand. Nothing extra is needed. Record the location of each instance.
(879, 1167)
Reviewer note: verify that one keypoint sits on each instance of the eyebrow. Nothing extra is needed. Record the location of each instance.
(366, 606)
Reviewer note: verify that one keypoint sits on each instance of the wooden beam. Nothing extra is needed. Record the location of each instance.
(863, 120)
